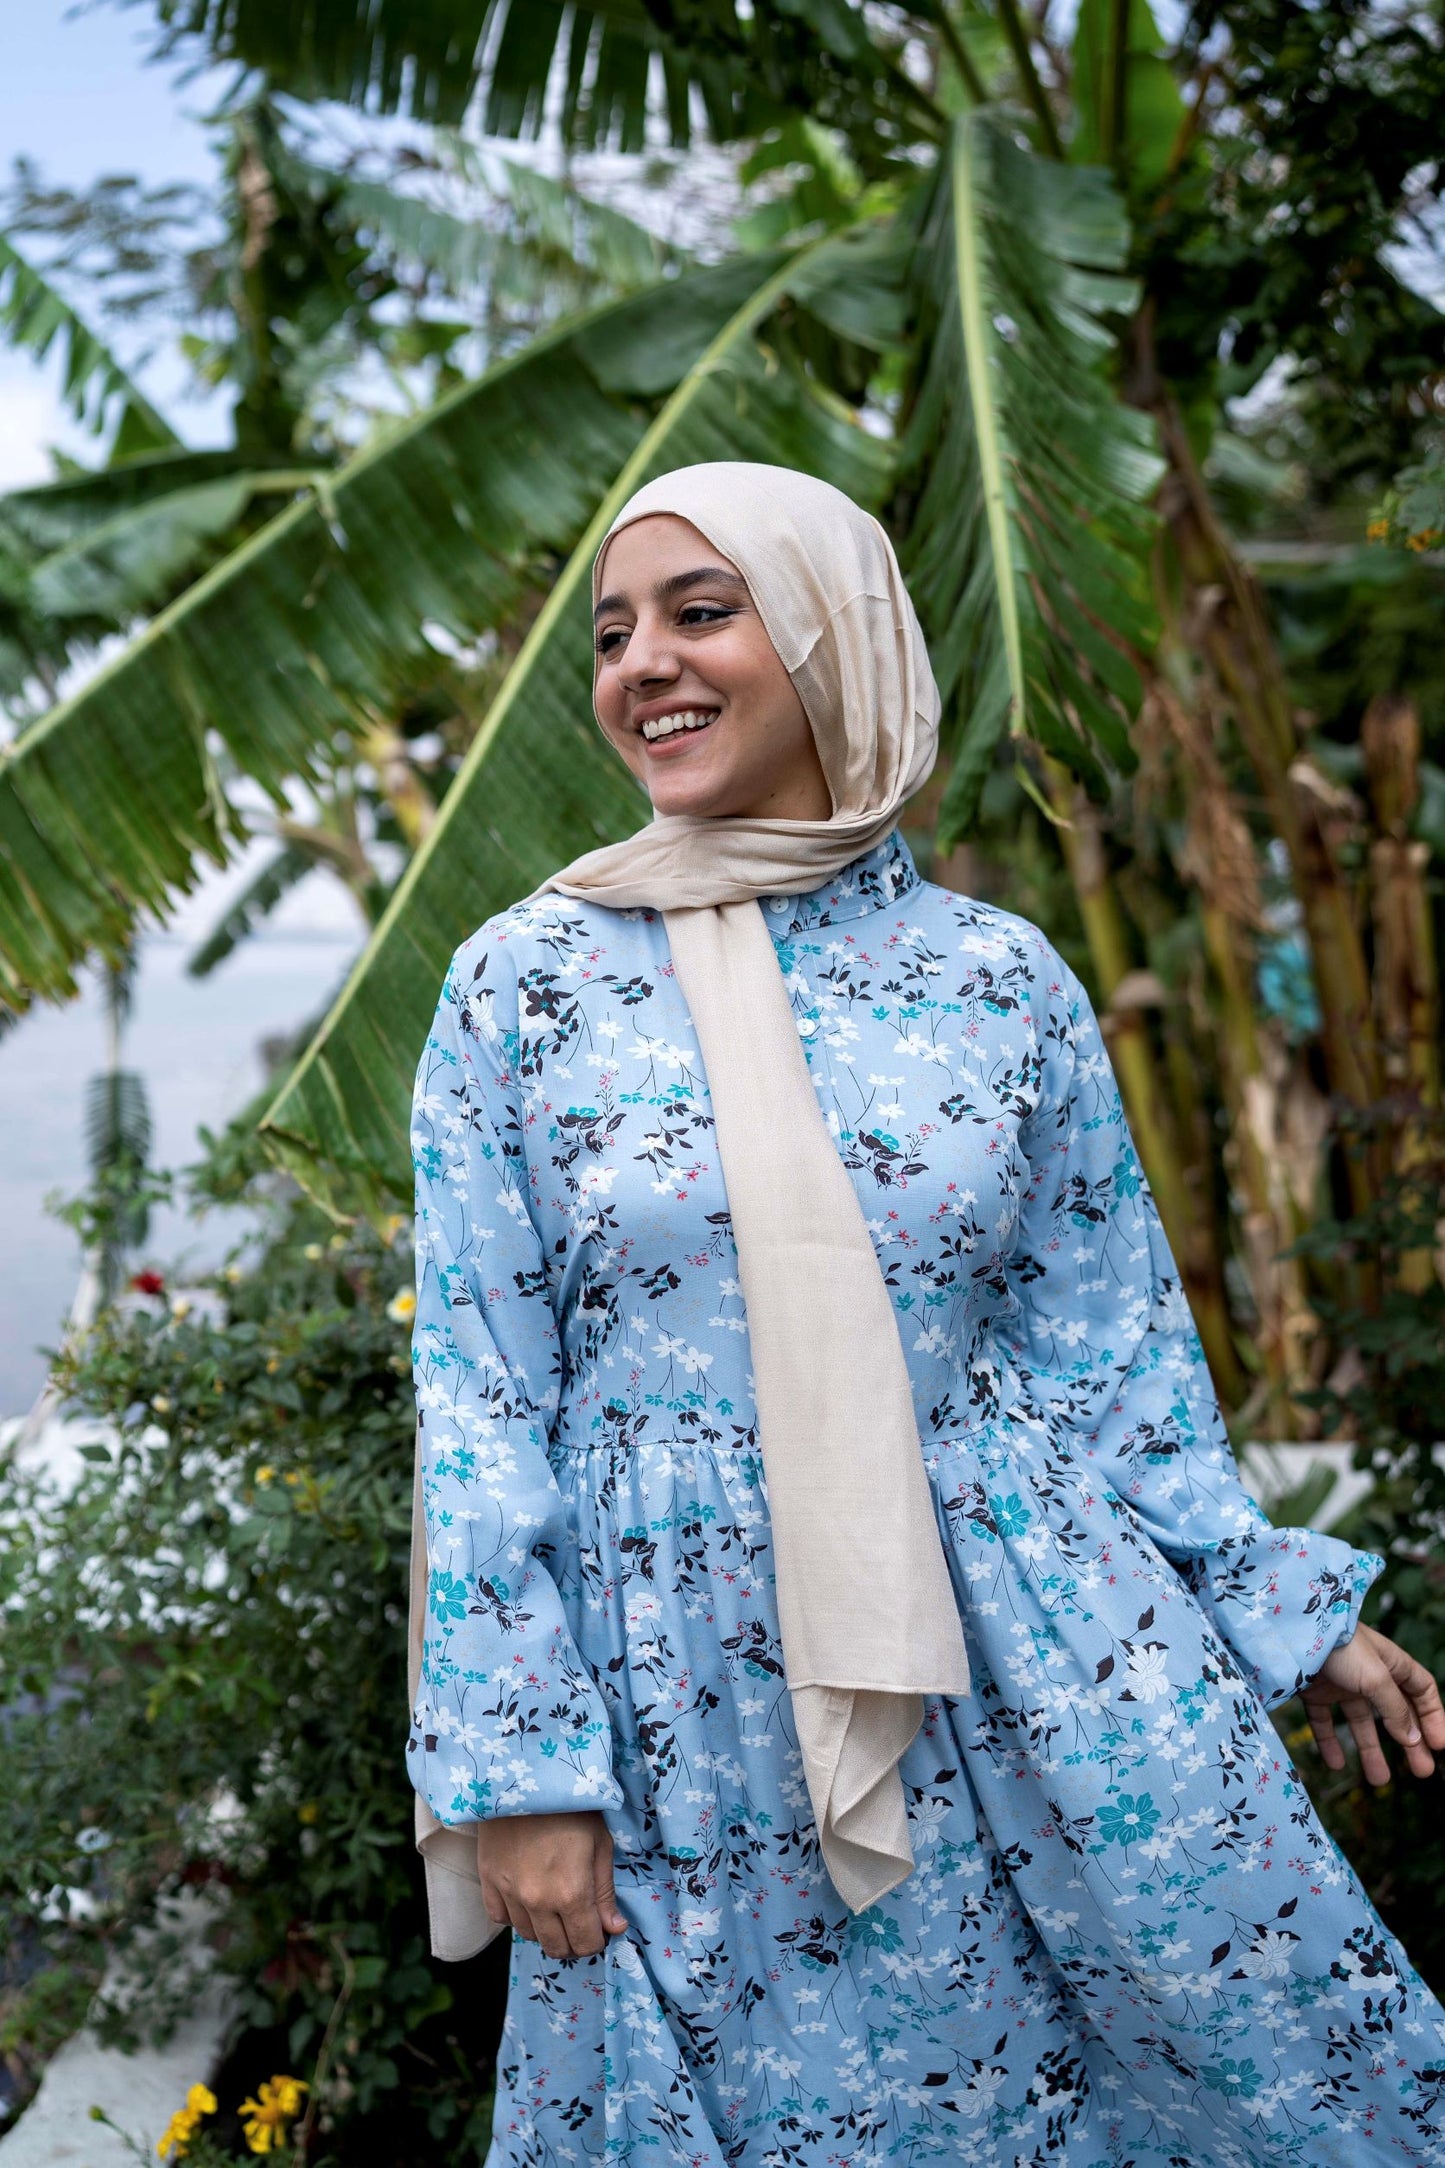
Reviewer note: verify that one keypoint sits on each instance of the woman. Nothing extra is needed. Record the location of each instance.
(847, 1642)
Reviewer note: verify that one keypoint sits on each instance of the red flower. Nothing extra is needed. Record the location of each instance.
(148, 1283)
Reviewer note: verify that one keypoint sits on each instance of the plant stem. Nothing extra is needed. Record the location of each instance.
(1114, 119)
(1230, 629)
(1013, 29)
(958, 53)
(1132, 1055)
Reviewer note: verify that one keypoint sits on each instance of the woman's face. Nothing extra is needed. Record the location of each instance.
(678, 637)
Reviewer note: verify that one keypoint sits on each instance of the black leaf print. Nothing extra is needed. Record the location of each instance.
(603, 1630)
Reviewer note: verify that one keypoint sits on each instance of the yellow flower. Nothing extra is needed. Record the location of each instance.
(313, 1253)
(273, 1364)
(266, 2117)
(180, 1307)
(175, 2140)
(1377, 531)
(160, 1403)
(1424, 540)
(310, 1812)
(291, 1479)
(265, 1475)
(402, 1308)
(234, 1273)
(338, 1242)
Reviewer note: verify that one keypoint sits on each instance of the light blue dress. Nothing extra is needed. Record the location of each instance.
(1127, 1940)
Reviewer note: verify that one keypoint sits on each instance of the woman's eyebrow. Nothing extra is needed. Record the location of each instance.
(679, 584)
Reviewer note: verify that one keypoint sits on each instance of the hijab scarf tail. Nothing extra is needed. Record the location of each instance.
(868, 1616)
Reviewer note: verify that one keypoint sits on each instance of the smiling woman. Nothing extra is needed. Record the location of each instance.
(691, 691)
(846, 1645)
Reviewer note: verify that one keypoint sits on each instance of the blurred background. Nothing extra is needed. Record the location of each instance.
(331, 334)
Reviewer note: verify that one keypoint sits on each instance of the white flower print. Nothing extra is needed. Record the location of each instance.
(1107, 1806)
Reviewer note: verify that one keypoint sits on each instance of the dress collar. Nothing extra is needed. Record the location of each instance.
(880, 878)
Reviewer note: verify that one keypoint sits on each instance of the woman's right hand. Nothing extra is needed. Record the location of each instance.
(549, 1878)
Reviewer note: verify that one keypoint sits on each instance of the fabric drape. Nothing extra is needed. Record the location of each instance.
(850, 1506)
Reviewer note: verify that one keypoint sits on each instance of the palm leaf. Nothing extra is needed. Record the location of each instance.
(558, 223)
(133, 561)
(34, 315)
(424, 57)
(747, 66)
(107, 803)
(258, 899)
(1028, 530)
(49, 516)
(539, 783)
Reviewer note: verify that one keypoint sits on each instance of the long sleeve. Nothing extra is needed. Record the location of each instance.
(509, 1720)
(1107, 1349)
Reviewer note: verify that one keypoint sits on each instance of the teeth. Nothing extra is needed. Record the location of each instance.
(666, 725)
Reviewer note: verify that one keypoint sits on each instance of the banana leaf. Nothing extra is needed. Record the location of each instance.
(540, 783)
(34, 315)
(108, 803)
(1027, 482)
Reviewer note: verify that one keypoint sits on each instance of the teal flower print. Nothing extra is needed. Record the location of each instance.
(448, 1597)
(1128, 1820)
(1236, 2080)
(1011, 1516)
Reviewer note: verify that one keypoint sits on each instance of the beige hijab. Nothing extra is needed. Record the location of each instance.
(868, 1616)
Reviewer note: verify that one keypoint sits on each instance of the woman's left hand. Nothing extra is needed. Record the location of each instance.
(1369, 1676)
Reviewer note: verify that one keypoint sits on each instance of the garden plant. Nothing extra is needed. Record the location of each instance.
(1127, 337)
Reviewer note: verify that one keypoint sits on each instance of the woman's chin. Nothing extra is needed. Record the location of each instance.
(698, 795)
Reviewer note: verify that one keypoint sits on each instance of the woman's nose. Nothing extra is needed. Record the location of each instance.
(650, 657)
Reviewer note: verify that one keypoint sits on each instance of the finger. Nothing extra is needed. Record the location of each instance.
(1322, 1724)
(521, 1920)
(1395, 1711)
(552, 1934)
(584, 1929)
(608, 1909)
(1424, 1695)
(1360, 1717)
(495, 1902)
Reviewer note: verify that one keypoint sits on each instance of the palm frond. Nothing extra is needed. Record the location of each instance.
(539, 783)
(257, 900)
(117, 1122)
(35, 316)
(133, 561)
(319, 619)
(747, 66)
(1028, 527)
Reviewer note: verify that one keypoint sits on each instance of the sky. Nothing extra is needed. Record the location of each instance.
(77, 97)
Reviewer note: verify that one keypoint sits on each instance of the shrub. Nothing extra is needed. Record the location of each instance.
(203, 1670)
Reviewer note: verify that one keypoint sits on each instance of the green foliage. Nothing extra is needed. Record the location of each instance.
(39, 2010)
(216, 1610)
(34, 315)
(1278, 240)
(1412, 511)
(318, 621)
(1392, 1410)
(539, 773)
(1130, 112)
(1025, 523)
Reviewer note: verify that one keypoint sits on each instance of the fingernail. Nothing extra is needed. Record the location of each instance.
(1412, 1736)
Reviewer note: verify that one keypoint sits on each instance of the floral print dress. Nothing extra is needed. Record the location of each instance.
(1126, 1941)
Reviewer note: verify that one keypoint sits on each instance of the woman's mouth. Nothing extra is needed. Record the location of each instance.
(669, 733)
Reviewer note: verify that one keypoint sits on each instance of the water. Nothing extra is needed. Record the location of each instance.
(197, 1045)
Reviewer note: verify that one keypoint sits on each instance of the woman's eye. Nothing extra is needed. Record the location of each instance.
(703, 613)
(607, 641)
